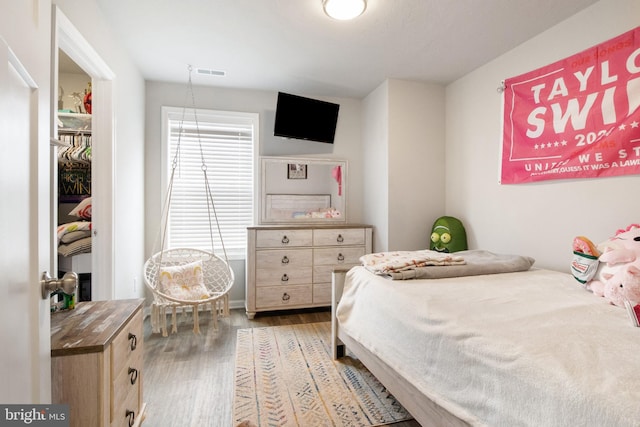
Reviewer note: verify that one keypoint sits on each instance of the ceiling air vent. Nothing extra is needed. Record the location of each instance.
(210, 72)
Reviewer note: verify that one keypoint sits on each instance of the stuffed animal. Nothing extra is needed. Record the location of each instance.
(623, 248)
(630, 284)
(618, 252)
(594, 266)
(621, 286)
(448, 235)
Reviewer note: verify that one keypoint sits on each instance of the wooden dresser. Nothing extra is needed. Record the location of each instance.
(97, 362)
(289, 266)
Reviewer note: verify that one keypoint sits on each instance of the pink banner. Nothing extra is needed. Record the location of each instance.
(576, 118)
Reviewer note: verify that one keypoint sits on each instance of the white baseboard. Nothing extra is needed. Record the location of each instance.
(239, 303)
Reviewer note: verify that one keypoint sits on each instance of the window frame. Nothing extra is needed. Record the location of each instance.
(202, 115)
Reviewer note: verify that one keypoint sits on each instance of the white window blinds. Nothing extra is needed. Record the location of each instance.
(228, 142)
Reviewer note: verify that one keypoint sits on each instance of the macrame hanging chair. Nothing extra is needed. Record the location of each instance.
(188, 277)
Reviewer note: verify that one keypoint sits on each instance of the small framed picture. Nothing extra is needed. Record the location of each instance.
(297, 171)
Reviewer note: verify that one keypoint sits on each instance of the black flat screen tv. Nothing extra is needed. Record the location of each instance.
(305, 118)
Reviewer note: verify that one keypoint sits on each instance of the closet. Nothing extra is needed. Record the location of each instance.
(74, 232)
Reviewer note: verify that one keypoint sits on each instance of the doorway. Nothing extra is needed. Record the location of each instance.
(69, 44)
(74, 153)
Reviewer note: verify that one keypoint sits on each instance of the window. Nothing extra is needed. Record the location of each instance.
(229, 146)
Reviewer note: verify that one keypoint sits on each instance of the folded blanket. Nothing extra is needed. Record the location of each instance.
(76, 247)
(477, 262)
(72, 236)
(73, 226)
(391, 262)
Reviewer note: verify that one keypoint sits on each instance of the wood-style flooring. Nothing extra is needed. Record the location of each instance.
(188, 380)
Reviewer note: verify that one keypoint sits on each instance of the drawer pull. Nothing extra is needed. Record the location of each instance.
(285, 260)
(286, 297)
(340, 257)
(133, 373)
(132, 417)
(284, 278)
(285, 240)
(134, 341)
(340, 239)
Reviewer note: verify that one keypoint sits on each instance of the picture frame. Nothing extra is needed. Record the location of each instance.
(296, 171)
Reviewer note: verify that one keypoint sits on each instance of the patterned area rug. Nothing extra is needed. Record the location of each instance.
(285, 376)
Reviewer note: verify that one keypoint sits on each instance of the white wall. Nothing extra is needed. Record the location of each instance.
(375, 112)
(416, 162)
(403, 149)
(539, 219)
(347, 145)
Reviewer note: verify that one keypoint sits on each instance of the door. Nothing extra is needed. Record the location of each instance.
(24, 182)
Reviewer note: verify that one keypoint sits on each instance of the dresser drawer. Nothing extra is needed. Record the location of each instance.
(283, 238)
(278, 297)
(127, 411)
(283, 258)
(283, 276)
(337, 256)
(127, 382)
(339, 236)
(127, 345)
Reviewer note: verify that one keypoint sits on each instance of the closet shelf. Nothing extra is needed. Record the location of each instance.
(74, 123)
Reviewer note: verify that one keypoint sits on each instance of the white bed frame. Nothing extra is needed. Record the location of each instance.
(423, 409)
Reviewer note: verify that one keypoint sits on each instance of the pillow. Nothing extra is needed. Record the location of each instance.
(83, 210)
(183, 282)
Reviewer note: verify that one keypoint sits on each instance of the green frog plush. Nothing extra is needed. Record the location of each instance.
(448, 235)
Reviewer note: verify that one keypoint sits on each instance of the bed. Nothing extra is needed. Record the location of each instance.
(524, 348)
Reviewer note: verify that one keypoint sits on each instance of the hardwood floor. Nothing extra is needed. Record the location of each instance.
(188, 378)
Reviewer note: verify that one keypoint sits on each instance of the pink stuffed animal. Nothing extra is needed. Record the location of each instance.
(630, 285)
(623, 248)
(624, 284)
(618, 252)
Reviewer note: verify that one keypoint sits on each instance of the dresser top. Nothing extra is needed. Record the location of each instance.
(306, 226)
(91, 326)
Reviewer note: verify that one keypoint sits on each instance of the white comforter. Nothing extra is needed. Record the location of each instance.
(516, 349)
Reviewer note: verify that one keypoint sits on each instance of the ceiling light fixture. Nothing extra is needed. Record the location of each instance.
(344, 10)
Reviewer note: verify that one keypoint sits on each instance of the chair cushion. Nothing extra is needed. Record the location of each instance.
(183, 282)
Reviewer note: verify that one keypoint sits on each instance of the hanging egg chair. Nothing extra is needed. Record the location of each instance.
(186, 278)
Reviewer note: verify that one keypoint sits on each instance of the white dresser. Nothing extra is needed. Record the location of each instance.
(289, 266)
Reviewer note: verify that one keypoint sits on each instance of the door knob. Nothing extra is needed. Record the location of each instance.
(67, 284)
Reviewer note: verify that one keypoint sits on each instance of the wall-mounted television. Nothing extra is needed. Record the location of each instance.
(305, 118)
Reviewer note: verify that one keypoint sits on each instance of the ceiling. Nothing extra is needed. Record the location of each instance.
(291, 46)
